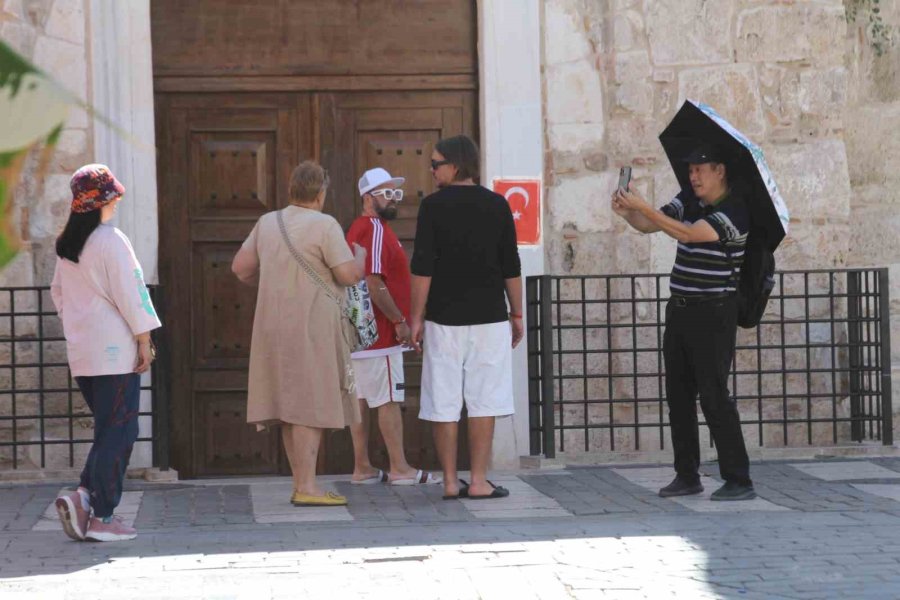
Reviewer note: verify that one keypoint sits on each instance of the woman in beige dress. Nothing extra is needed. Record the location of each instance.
(301, 377)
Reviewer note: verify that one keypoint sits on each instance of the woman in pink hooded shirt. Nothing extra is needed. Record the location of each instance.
(99, 292)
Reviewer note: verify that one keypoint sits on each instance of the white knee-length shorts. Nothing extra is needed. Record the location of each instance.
(466, 363)
(379, 379)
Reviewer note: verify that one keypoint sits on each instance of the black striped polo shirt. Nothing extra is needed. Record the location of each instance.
(703, 267)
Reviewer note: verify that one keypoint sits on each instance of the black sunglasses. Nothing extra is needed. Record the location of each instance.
(438, 163)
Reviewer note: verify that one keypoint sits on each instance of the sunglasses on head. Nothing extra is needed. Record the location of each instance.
(438, 163)
(389, 195)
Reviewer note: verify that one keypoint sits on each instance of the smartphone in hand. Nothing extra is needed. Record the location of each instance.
(624, 177)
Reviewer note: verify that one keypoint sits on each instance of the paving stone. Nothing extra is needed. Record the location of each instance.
(846, 470)
(654, 478)
(271, 504)
(585, 532)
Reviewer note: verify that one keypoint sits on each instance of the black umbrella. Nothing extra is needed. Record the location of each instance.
(696, 123)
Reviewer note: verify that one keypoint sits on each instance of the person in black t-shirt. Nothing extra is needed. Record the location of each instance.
(711, 226)
(465, 268)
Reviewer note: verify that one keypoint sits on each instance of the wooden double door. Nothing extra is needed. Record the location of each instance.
(224, 160)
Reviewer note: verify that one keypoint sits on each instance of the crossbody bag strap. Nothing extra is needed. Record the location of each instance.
(313, 274)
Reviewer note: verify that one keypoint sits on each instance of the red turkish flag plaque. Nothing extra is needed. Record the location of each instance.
(524, 197)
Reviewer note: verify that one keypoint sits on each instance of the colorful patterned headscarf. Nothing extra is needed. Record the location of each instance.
(94, 186)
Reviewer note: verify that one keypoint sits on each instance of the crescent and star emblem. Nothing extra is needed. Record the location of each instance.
(520, 191)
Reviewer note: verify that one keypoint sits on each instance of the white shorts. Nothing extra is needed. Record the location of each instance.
(379, 379)
(466, 362)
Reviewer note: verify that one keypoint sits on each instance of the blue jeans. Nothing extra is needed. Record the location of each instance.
(114, 401)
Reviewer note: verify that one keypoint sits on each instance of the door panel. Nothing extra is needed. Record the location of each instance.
(222, 169)
(222, 310)
(230, 446)
(313, 37)
(402, 152)
(234, 173)
(396, 132)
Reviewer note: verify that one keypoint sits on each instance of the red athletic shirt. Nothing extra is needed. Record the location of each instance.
(385, 257)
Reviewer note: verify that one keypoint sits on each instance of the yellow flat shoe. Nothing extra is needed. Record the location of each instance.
(329, 499)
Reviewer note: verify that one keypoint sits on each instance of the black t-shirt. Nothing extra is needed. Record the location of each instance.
(466, 243)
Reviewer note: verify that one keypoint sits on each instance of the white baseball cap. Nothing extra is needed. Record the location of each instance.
(372, 178)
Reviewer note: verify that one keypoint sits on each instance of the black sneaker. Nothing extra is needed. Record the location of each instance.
(679, 487)
(734, 491)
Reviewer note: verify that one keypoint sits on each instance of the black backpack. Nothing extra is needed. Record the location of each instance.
(757, 278)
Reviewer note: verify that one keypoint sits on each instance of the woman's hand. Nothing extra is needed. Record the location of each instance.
(352, 271)
(145, 356)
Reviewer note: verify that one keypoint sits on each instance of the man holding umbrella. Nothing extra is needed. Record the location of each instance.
(710, 220)
(728, 221)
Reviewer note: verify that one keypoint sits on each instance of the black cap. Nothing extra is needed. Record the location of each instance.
(704, 153)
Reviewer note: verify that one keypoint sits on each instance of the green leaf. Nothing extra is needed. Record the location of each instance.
(13, 68)
(10, 167)
(32, 106)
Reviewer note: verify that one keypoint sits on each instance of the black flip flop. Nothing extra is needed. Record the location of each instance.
(498, 492)
(463, 491)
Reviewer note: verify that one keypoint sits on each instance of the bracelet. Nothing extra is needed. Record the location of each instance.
(402, 319)
(515, 316)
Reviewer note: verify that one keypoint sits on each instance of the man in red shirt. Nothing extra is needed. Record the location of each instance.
(379, 368)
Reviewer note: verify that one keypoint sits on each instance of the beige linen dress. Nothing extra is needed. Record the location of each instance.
(300, 369)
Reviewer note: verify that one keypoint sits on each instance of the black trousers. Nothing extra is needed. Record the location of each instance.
(698, 348)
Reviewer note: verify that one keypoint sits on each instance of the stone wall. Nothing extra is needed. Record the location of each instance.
(616, 72)
(52, 34)
(873, 152)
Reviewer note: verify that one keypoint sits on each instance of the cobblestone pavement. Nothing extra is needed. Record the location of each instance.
(820, 529)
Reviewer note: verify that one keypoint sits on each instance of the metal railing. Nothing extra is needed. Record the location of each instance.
(816, 371)
(44, 421)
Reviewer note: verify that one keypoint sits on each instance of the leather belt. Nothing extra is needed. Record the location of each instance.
(693, 300)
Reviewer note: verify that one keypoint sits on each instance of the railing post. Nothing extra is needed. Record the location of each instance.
(854, 337)
(547, 420)
(884, 305)
(532, 316)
